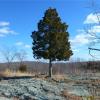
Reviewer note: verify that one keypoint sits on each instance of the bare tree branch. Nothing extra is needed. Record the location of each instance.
(9, 55)
(89, 29)
(21, 56)
(94, 49)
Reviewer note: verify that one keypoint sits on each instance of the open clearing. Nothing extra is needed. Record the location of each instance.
(67, 87)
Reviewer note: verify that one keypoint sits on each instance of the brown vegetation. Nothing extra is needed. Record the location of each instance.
(10, 73)
(70, 96)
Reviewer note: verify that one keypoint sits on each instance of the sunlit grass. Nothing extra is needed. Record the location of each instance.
(10, 73)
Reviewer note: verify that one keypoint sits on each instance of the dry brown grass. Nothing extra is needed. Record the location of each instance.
(59, 77)
(70, 96)
(94, 81)
(10, 73)
(62, 78)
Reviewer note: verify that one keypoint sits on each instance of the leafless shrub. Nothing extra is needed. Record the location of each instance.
(21, 55)
(23, 68)
(9, 54)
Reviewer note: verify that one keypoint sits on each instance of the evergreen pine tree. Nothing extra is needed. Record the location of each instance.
(50, 41)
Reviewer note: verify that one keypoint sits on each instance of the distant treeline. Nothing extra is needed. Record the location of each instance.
(69, 67)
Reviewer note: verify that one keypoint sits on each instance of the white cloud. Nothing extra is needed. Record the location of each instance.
(3, 23)
(5, 29)
(92, 18)
(76, 50)
(27, 46)
(19, 43)
(83, 38)
(95, 29)
(80, 39)
(22, 44)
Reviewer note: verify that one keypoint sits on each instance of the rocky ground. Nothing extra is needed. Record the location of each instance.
(70, 88)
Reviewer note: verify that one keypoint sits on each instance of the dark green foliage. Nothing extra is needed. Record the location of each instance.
(50, 41)
(23, 68)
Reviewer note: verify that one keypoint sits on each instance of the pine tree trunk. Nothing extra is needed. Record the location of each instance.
(50, 68)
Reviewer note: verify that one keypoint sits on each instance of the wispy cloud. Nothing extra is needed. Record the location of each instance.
(21, 44)
(80, 39)
(3, 23)
(85, 37)
(92, 18)
(27, 46)
(75, 50)
(6, 30)
(95, 29)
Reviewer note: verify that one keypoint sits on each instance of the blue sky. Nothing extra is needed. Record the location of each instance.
(18, 18)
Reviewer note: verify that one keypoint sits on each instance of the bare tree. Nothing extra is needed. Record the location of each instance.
(93, 46)
(9, 55)
(95, 37)
(21, 56)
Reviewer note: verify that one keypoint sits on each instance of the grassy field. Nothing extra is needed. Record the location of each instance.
(77, 80)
